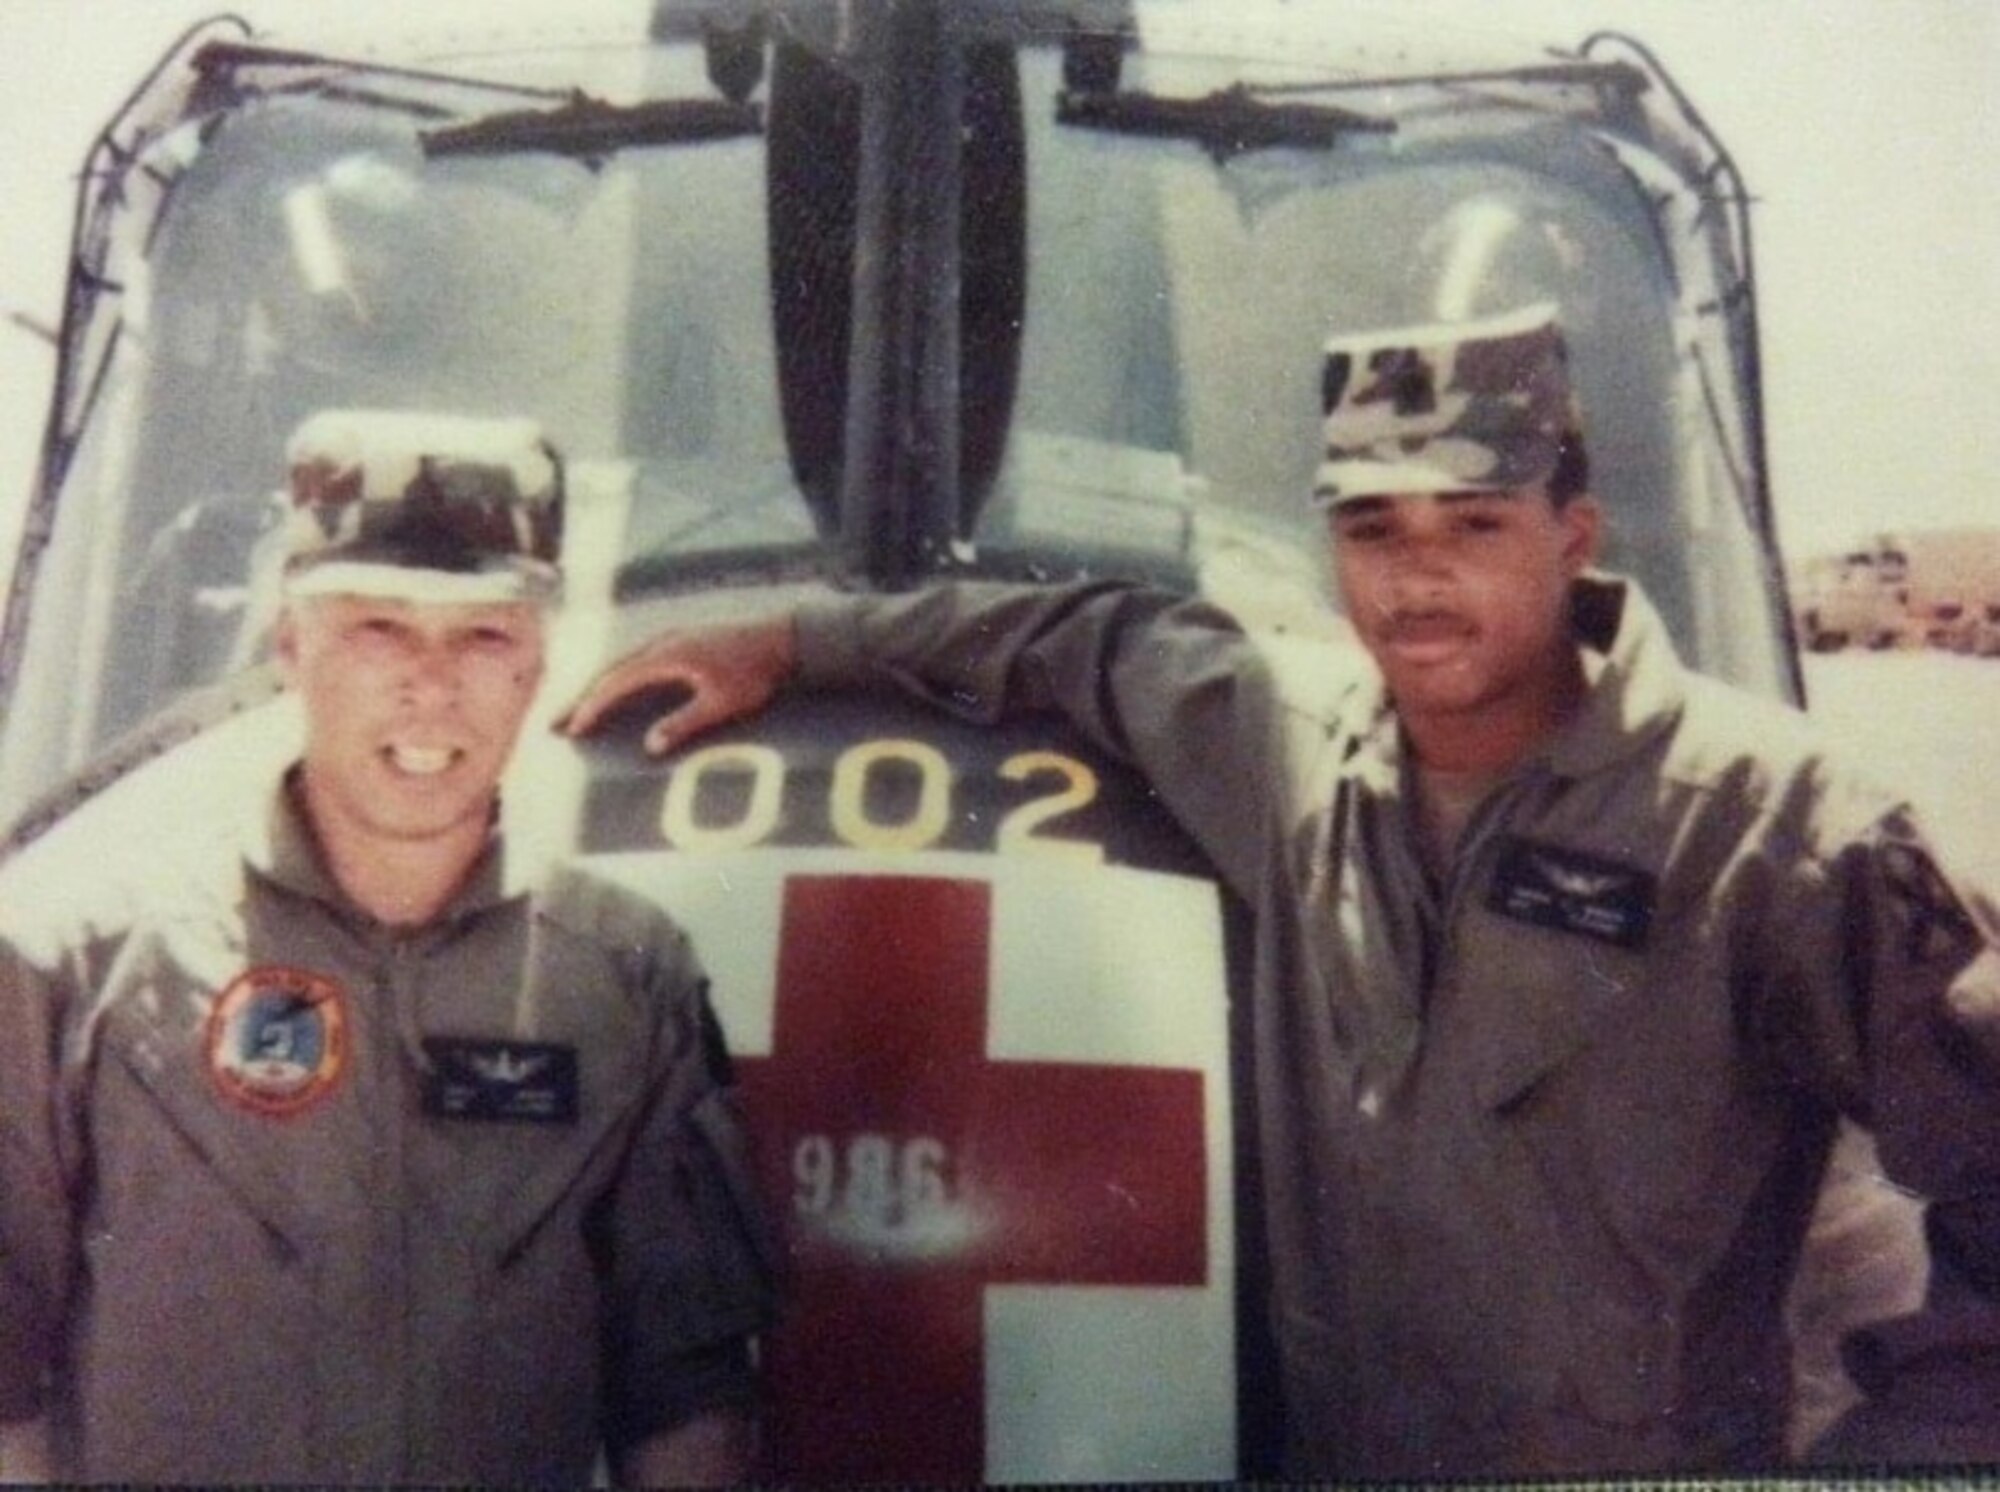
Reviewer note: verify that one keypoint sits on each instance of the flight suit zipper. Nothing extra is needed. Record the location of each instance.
(404, 966)
(1469, 867)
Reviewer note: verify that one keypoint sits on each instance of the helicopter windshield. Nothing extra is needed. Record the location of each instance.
(1138, 370)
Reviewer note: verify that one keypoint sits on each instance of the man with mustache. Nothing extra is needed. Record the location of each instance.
(352, 1142)
(1568, 961)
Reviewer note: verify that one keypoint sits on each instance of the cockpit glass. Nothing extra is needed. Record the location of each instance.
(1159, 416)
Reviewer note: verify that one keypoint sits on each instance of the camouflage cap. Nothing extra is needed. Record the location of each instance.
(1472, 406)
(423, 507)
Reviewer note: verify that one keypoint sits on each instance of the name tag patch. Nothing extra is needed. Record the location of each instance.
(519, 1082)
(1572, 892)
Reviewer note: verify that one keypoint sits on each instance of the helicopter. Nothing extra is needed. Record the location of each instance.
(822, 296)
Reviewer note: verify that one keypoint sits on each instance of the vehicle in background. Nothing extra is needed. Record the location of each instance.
(821, 296)
(1922, 588)
(1842, 603)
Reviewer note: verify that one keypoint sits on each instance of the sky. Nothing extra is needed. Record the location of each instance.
(1865, 130)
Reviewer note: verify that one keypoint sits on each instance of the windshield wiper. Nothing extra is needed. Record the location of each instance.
(1226, 123)
(590, 128)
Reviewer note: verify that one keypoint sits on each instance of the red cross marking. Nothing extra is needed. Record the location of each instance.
(912, 1172)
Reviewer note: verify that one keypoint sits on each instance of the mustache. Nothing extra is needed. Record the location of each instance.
(1420, 621)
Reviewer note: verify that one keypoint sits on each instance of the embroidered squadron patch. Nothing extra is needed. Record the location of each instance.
(1572, 892)
(1936, 925)
(277, 1039)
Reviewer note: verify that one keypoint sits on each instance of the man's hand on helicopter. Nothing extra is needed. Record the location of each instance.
(708, 677)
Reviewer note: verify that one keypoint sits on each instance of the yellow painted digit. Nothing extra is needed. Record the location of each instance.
(766, 770)
(849, 807)
(1079, 790)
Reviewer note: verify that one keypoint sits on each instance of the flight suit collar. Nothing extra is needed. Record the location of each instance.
(284, 850)
(1636, 691)
(1637, 683)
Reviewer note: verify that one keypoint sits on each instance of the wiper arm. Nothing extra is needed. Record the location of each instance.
(1225, 123)
(590, 128)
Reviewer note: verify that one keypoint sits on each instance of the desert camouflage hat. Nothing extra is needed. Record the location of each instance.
(422, 507)
(1470, 406)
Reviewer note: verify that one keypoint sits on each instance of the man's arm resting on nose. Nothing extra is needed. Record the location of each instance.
(1161, 681)
(725, 671)
(979, 650)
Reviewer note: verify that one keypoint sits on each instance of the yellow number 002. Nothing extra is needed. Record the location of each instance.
(849, 806)
(1017, 829)
(848, 810)
(766, 770)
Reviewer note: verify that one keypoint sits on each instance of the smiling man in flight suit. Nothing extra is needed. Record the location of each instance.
(350, 1144)
(1568, 960)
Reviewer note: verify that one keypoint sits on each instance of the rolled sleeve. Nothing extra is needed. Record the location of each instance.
(1168, 684)
(828, 638)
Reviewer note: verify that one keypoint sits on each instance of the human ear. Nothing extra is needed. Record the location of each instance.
(1582, 522)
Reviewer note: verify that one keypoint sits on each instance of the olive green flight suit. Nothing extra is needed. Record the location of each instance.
(287, 1195)
(1539, 1142)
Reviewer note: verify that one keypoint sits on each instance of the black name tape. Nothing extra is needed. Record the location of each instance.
(519, 1082)
(1573, 892)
